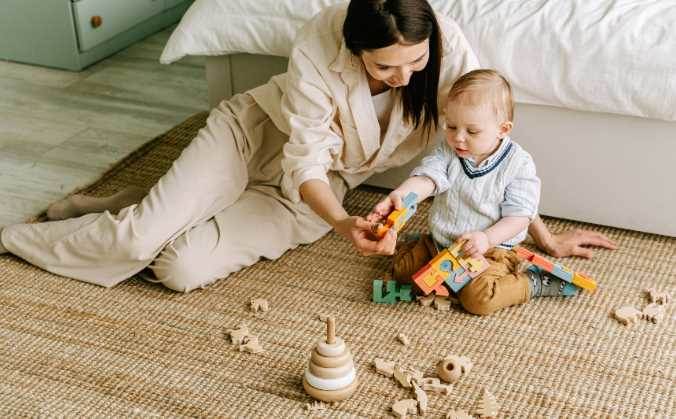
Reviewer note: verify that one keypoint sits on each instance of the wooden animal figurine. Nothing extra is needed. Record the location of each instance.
(403, 408)
(653, 312)
(657, 297)
(384, 367)
(259, 304)
(239, 334)
(330, 375)
(627, 315)
(453, 367)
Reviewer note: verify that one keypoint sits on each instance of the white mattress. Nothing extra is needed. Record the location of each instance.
(616, 56)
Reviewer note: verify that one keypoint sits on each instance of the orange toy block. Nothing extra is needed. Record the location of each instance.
(397, 218)
(431, 276)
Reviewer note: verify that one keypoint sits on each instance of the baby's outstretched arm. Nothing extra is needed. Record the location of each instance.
(421, 185)
(478, 242)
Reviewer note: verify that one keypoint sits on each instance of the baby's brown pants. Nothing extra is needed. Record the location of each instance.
(501, 285)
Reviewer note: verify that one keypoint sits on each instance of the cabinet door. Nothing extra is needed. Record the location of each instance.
(97, 21)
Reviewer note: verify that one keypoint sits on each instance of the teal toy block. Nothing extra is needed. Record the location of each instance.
(561, 273)
(387, 292)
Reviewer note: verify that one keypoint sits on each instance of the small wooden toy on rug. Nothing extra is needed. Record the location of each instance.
(657, 297)
(397, 218)
(384, 367)
(421, 397)
(259, 304)
(458, 414)
(453, 367)
(653, 312)
(628, 315)
(330, 375)
(405, 376)
(434, 385)
(488, 406)
(244, 339)
(250, 344)
(403, 408)
(403, 339)
(238, 334)
(315, 406)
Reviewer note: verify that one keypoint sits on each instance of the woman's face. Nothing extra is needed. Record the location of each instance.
(395, 64)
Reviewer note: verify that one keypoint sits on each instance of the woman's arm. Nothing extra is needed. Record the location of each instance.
(319, 196)
(567, 243)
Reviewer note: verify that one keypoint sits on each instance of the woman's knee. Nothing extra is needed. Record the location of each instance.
(184, 271)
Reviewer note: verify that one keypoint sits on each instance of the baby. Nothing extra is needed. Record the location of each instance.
(486, 192)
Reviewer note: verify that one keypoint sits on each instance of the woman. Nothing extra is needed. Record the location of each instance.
(270, 169)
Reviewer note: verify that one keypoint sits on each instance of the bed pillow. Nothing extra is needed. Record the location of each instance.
(616, 56)
(217, 27)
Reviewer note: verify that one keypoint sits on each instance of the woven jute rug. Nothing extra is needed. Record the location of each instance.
(70, 349)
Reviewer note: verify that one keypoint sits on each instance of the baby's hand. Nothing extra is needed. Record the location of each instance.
(383, 208)
(476, 243)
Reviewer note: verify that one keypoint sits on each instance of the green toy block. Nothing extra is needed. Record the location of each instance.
(390, 292)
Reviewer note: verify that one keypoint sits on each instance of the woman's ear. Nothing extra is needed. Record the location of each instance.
(506, 128)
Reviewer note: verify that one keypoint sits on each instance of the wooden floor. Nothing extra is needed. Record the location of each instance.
(60, 130)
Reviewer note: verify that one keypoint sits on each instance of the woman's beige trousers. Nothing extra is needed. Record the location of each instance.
(218, 209)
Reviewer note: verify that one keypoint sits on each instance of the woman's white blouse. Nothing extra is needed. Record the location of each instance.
(324, 104)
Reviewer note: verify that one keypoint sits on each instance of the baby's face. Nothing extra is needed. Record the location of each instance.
(474, 130)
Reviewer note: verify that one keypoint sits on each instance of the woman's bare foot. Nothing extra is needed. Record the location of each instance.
(69, 207)
(77, 205)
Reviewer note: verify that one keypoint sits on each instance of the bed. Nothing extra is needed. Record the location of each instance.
(595, 85)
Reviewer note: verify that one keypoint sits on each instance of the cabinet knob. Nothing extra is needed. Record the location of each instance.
(96, 21)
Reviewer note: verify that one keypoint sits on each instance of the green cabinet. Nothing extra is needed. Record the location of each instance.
(73, 34)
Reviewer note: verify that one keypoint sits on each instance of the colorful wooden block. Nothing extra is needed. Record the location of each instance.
(397, 218)
(450, 269)
(387, 292)
(574, 279)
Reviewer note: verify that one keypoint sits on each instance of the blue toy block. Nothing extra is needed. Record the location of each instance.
(561, 273)
(457, 279)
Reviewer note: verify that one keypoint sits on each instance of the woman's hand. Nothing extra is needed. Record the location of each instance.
(476, 243)
(567, 243)
(573, 242)
(358, 231)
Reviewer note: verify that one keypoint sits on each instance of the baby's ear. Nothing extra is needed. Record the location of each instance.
(506, 128)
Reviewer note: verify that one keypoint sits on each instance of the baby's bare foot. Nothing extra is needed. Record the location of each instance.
(72, 206)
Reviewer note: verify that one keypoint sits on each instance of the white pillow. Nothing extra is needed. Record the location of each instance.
(615, 56)
(218, 27)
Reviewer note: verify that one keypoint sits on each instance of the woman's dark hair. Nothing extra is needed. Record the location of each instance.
(373, 24)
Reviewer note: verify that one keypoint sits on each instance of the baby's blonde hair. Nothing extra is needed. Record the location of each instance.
(485, 84)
